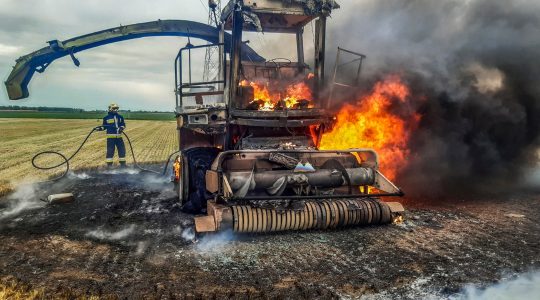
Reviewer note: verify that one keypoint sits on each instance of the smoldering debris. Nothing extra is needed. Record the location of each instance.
(215, 242)
(188, 234)
(472, 69)
(212, 242)
(23, 199)
(130, 171)
(109, 232)
(141, 247)
(82, 176)
(134, 210)
(112, 236)
(144, 180)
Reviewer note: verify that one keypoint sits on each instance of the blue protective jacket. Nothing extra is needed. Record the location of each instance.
(113, 123)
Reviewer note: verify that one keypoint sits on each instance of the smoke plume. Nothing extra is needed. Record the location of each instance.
(526, 286)
(112, 235)
(473, 70)
(24, 198)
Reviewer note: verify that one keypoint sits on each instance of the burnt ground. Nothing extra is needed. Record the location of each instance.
(124, 236)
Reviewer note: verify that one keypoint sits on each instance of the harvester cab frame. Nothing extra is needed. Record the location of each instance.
(268, 173)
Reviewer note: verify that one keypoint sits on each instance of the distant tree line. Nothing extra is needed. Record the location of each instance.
(41, 108)
(67, 109)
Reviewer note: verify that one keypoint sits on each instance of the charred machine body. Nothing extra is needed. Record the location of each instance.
(249, 137)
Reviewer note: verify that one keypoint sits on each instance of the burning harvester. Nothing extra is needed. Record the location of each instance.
(250, 137)
(254, 139)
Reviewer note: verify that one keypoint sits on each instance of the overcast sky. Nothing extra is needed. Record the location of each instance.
(433, 38)
(138, 74)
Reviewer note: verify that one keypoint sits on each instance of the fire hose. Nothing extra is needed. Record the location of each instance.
(66, 160)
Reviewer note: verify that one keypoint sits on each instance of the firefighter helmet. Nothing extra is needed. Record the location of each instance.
(113, 106)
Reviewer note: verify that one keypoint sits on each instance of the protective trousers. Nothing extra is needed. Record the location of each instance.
(119, 143)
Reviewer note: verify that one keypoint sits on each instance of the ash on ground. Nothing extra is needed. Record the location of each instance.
(125, 235)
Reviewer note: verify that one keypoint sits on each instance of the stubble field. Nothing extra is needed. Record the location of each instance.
(21, 139)
(125, 236)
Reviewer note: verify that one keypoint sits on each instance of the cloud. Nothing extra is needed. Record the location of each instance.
(139, 72)
(421, 36)
(10, 50)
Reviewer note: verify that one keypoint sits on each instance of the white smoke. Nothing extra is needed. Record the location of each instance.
(82, 176)
(22, 199)
(531, 176)
(215, 242)
(188, 234)
(130, 171)
(107, 235)
(141, 247)
(524, 287)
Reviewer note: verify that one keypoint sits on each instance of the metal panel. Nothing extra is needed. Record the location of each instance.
(205, 224)
(395, 207)
(277, 123)
(334, 83)
(278, 113)
(212, 181)
(384, 184)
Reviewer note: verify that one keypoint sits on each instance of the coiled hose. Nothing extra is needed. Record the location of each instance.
(66, 160)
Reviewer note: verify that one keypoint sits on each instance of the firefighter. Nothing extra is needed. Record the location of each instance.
(114, 124)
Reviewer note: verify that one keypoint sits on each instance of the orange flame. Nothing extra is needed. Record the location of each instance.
(398, 220)
(292, 95)
(296, 92)
(371, 125)
(176, 167)
(263, 94)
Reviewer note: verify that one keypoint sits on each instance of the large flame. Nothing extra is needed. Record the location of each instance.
(370, 124)
(291, 95)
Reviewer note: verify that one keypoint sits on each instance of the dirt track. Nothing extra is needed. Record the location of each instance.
(124, 236)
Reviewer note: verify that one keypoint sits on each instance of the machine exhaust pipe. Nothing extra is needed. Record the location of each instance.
(325, 178)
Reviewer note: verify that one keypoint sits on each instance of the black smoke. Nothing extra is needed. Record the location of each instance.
(473, 68)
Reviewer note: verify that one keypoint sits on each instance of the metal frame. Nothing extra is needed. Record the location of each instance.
(262, 8)
(17, 81)
(235, 54)
(234, 16)
(178, 82)
(320, 58)
(232, 152)
(266, 69)
(320, 197)
(362, 56)
(214, 13)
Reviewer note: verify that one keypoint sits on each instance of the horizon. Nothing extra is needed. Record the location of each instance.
(27, 108)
